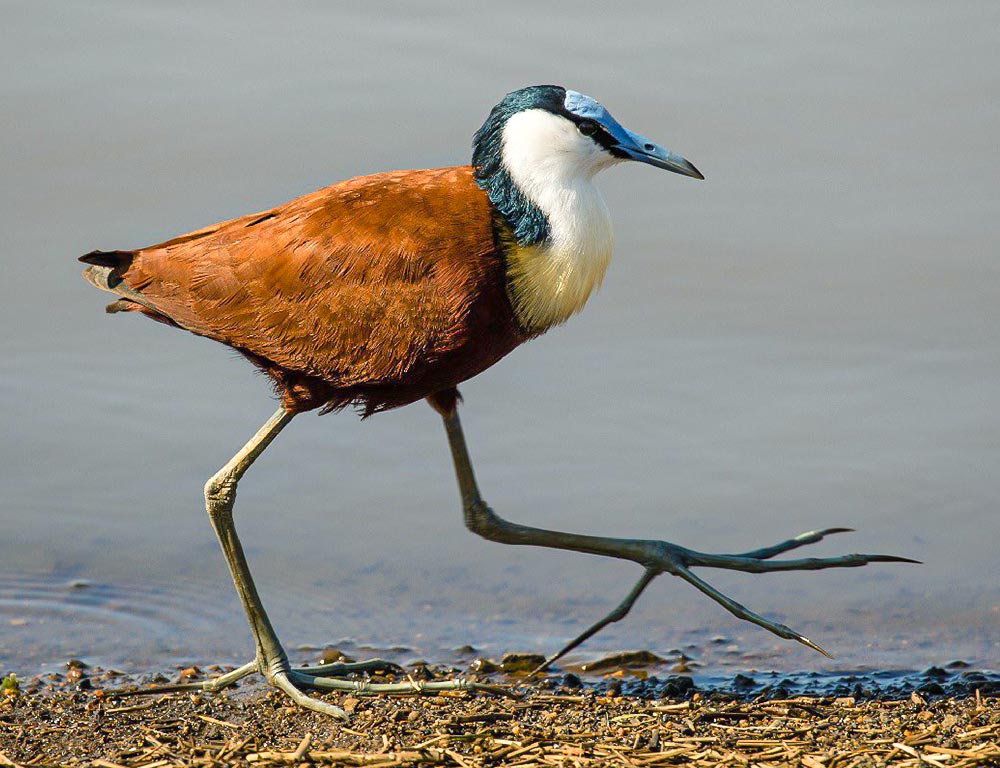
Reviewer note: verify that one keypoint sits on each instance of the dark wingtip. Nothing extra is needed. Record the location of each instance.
(106, 258)
(97, 258)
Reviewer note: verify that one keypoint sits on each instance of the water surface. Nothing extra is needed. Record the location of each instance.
(811, 337)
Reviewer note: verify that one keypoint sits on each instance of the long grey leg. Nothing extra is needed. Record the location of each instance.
(220, 496)
(271, 660)
(655, 556)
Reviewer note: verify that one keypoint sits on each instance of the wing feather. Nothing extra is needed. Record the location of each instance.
(361, 283)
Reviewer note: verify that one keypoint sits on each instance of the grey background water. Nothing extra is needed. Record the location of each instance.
(811, 337)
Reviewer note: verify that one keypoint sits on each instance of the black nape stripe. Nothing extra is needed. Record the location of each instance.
(527, 223)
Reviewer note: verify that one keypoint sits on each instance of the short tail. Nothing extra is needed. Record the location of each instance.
(104, 272)
(105, 268)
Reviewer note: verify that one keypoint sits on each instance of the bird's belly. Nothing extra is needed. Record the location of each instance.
(489, 339)
(488, 332)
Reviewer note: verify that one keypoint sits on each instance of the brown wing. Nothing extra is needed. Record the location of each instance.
(358, 284)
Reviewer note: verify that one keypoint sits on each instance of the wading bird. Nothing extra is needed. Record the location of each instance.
(387, 289)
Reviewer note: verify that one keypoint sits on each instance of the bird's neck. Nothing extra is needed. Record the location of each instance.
(557, 236)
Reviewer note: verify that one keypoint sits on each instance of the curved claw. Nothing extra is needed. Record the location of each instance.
(807, 642)
(803, 539)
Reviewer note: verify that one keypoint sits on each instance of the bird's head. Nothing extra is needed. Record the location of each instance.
(565, 133)
(542, 145)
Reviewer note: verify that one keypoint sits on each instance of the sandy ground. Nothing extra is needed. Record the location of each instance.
(75, 719)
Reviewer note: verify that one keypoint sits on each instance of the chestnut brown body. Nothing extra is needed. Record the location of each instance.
(374, 292)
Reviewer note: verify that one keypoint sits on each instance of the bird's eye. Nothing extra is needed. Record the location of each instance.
(587, 127)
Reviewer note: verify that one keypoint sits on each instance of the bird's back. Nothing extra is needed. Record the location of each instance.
(376, 291)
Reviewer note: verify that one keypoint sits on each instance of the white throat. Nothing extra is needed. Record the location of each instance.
(553, 165)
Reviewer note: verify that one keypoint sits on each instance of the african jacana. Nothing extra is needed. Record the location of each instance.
(385, 289)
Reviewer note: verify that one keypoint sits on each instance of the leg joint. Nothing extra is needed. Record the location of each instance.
(273, 665)
(482, 520)
(220, 491)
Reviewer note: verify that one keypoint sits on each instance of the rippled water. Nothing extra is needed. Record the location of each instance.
(811, 337)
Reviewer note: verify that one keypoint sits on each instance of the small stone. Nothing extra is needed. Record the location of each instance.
(677, 686)
(513, 663)
(626, 659)
(332, 654)
(571, 681)
(420, 671)
(935, 672)
(482, 666)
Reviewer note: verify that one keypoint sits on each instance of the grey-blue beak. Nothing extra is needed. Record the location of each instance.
(645, 151)
(631, 145)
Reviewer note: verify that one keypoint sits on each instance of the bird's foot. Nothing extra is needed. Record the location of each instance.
(323, 677)
(664, 557)
(679, 560)
(278, 673)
